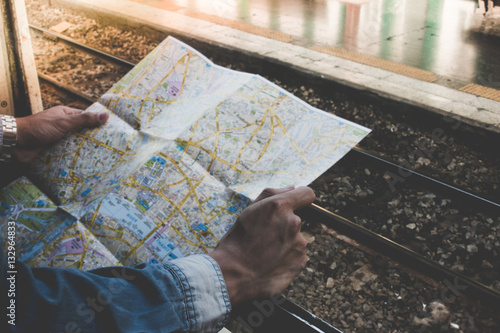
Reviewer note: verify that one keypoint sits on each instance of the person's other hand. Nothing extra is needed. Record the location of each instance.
(264, 250)
(35, 131)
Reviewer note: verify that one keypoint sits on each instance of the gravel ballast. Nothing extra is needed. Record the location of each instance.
(351, 288)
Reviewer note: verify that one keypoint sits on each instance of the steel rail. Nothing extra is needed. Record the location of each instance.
(423, 179)
(279, 315)
(455, 282)
(399, 169)
(286, 316)
(68, 89)
(90, 50)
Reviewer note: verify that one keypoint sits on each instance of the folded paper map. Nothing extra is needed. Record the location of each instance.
(188, 146)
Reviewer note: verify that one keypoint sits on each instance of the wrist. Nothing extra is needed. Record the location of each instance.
(22, 133)
(238, 278)
(24, 152)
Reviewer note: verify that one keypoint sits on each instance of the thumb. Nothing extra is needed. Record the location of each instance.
(88, 119)
(269, 192)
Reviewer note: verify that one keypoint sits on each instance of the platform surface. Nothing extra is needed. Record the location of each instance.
(424, 53)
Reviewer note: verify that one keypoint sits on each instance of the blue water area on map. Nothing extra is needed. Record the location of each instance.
(232, 209)
(203, 227)
(28, 217)
(63, 173)
(161, 161)
(56, 227)
(86, 192)
(143, 204)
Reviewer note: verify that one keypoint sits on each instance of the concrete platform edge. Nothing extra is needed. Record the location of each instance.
(470, 109)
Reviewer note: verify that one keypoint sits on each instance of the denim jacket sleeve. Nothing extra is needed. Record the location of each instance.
(183, 295)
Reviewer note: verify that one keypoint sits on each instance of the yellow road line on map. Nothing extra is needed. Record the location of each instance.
(176, 208)
(217, 137)
(171, 184)
(269, 109)
(188, 61)
(120, 239)
(73, 163)
(195, 126)
(184, 237)
(192, 191)
(47, 247)
(65, 180)
(179, 62)
(227, 130)
(251, 137)
(100, 143)
(145, 238)
(147, 70)
(218, 158)
(193, 187)
(279, 123)
(271, 135)
(92, 220)
(289, 137)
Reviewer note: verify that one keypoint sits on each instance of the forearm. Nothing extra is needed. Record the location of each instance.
(149, 298)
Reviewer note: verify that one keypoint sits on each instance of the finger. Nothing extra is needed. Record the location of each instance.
(299, 197)
(88, 119)
(269, 192)
(70, 111)
(294, 225)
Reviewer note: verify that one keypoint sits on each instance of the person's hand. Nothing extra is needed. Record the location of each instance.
(35, 131)
(264, 250)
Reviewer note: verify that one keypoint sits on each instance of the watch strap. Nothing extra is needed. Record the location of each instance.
(9, 137)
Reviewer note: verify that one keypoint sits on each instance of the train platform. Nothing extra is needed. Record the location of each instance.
(428, 54)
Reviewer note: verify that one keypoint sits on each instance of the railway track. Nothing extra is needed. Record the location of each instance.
(401, 249)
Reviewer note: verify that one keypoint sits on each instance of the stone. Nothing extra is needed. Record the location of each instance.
(472, 248)
(411, 226)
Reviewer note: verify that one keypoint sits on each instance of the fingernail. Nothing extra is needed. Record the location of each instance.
(289, 187)
(103, 117)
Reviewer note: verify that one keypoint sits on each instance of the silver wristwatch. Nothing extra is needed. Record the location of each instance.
(9, 137)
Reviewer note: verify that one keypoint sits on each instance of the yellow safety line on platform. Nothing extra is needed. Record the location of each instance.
(167, 6)
(409, 71)
(250, 28)
(482, 91)
(161, 4)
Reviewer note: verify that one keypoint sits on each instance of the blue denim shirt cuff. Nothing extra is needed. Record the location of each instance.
(206, 297)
